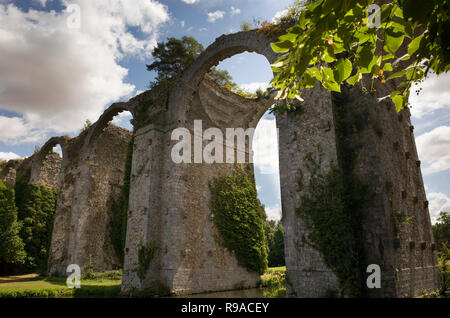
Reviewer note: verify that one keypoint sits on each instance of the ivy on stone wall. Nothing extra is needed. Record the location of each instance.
(333, 207)
(238, 217)
(119, 208)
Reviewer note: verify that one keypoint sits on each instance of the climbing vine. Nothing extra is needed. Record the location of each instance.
(238, 216)
(119, 208)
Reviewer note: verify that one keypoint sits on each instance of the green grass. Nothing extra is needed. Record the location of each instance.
(53, 287)
(273, 282)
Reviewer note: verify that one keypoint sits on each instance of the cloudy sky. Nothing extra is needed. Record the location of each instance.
(65, 61)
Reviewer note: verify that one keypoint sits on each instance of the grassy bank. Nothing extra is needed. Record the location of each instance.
(98, 286)
(108, 285)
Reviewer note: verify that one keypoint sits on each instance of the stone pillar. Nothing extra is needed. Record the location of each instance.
(308, 130)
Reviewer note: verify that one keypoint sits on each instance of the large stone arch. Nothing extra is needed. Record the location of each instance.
(189, 259)
(93, 170)
(46, 166)
(224, 47)
(99, 126)
(169, 202)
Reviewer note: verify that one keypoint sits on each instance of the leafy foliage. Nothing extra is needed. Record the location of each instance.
(444, 264)
(333, 43)
(173, 56)
(11, 245)
(36, 210)
(274, 243)
(276, 251)
(223, 77)
(238, 216)
(441, 230)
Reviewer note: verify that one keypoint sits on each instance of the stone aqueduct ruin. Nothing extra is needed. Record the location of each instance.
(169, 203)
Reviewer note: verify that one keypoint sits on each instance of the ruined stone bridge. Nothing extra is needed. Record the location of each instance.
(169, 203)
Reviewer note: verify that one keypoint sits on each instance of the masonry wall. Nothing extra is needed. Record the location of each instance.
(47, 171)
(388, 162)
(92, 177)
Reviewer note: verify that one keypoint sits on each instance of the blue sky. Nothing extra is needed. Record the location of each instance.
(53, 77)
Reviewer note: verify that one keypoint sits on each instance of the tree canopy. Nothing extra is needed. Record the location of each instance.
(338, 41)
(441, 230)
(11, 245)
(174, 56)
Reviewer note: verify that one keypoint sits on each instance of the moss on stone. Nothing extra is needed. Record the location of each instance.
(146, 253)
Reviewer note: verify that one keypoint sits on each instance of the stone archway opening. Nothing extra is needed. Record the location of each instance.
(248, 75)
(48, 161)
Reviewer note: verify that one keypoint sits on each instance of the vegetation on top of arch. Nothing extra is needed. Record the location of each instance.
(174, 56)
(336, 41)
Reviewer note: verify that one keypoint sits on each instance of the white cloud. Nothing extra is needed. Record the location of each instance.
(435, 95)
(182, 23)
(8, 156)
(438, 202)
(258, 188)
(273, 212)
(216, 15)
(253, 87)
(265, 147)
(234, 11)
(123, 120)
(278, 15)
(190, 1)
(203, 29)
(434, 150)
(55, 77)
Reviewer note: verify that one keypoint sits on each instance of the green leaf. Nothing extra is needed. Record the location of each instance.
(354, 79)
(398, 101)
(342, 70)
(397, 74)
(414, 45)
(328, 55)
(281, 47)
(328, 80)
(314, 72)
(393, 40)
(387, 67)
